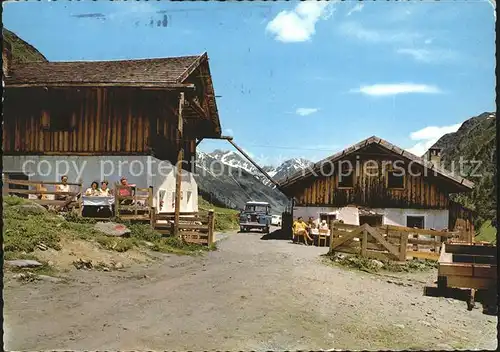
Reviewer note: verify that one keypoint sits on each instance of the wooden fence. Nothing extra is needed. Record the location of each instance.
(388, 241)
(137, 206)
(193, 227)
(38, 192)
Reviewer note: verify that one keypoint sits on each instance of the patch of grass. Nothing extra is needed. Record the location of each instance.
(225, 218)
(22, 233)
(10, 201)
(44, 269)
(487, 232)
(18, 255)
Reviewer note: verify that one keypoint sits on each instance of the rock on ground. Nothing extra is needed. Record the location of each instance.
(112, 229)
(377, 263)
(30, 209)
(23, 263)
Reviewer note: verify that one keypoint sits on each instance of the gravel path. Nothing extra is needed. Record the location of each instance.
(251, 294)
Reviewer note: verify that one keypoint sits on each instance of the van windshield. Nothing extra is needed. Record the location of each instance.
(256, 208)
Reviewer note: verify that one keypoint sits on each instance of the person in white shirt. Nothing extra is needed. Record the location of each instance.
(324, 225)
(64, 187)
(93, 190)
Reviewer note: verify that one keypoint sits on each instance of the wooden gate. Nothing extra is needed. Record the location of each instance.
(193, 227)
(387, 242)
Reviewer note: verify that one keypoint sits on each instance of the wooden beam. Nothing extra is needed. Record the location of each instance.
(180, 155)
(253, 163)
(197, 107)
(145, 85)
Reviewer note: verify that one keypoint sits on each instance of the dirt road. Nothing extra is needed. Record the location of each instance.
(251, 294)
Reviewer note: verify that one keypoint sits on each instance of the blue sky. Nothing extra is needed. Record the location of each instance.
(297, 79)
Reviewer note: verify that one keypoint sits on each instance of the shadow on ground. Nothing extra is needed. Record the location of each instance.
(278, 234)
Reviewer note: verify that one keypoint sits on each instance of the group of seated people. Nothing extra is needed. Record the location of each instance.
(303, 229)
(95, 191)
(125, 191)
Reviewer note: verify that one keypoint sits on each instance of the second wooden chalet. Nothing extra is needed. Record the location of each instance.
(107, 119)
(381, 184)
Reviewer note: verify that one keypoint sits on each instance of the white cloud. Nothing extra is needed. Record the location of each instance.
(299, 24)
(427, 136)
(397, 88)
(229, 131)
(428, 55)
(306, 111)
(429, 40)
(357, 8)
(357, 31)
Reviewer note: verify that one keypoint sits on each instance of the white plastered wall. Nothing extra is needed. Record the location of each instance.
(143, 171)
(433, 218)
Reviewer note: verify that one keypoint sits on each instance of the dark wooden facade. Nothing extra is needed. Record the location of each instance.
(370, 188)
(110, 119)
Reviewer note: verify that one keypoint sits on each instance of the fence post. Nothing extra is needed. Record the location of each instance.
(150, 201)
(117, 202)
(364, 241)
(331, 237)
(153, 217)
(211, 225)
(5, 186)
(415, 246)
(135, 201)
(403, 246)
(80, 201)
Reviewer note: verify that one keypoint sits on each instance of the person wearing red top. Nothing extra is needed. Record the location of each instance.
(126, 191)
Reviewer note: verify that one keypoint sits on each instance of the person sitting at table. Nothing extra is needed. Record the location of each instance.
(300, 230)
(311, 224)
(324, 225)
(104, 191)
(64, 187)
(93, 190)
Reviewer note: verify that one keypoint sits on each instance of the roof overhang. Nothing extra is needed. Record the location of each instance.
(141, 85)
(461, 183)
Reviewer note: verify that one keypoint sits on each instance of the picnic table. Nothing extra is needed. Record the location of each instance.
(96, 204)
(98, 201)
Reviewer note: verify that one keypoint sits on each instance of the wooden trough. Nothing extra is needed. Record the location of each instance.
(469, 266)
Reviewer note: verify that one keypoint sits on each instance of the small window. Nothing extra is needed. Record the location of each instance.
(59, 114)
(372, 220)
(346, 176)
(415, 222)
(395, 180)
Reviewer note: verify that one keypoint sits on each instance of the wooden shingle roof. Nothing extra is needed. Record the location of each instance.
(161, 72)
(461, 182)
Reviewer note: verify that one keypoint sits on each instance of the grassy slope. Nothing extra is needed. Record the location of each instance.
(21, 50)
(225, 219)
(23, 232)
(475, 140)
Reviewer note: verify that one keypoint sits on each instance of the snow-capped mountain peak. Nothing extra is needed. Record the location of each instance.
(235, 160)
